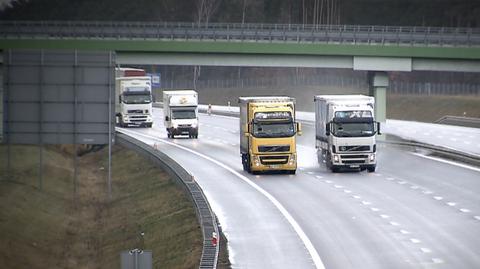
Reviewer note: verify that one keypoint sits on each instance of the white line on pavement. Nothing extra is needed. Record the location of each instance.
(446, 161)
(303, 237)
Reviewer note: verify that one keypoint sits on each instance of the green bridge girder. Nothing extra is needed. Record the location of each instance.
(247, 47)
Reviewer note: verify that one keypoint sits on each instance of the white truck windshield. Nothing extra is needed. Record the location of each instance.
(180, 114)
(137, 99)
(353, 129)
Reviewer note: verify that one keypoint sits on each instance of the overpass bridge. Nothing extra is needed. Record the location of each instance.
(377, 49)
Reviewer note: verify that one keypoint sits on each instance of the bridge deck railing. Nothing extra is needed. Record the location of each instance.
(348, 34)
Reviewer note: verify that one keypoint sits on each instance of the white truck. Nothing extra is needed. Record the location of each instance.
(180, 109)
(345, 131)
(133, 102)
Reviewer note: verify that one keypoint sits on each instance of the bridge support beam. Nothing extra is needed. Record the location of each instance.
(378, 84)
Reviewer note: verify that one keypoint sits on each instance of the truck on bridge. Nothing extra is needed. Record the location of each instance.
(180, 109)
(268, 134)
(345, 132)
(133, 102)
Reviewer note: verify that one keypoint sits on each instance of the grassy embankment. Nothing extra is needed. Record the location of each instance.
(431, 108)
(49, 229)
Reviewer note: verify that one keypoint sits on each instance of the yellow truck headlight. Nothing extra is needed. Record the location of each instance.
(256, 160)
(293, 159)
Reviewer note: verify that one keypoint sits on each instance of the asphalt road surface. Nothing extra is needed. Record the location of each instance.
(414, 212)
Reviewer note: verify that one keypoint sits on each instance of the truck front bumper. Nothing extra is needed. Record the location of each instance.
(273, 162)
(183, 131)
(360, 160)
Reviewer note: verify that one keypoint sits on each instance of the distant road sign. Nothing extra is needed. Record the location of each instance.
(156, 79)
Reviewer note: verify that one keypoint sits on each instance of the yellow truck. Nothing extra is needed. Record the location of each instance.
(267, 134)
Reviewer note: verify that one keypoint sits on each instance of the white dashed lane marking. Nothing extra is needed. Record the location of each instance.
(415, 240)
(426, 250)
(464, 210)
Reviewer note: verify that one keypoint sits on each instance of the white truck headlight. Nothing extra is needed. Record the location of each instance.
(335, 158)
(372, 157)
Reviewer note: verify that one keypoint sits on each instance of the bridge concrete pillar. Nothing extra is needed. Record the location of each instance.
(378, 83)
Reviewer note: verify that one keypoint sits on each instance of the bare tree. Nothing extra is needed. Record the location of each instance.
(205, 10)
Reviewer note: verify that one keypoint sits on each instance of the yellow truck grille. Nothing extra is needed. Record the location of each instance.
(272, 160)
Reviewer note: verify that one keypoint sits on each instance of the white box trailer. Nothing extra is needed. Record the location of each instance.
(345, 131)
(180, 110)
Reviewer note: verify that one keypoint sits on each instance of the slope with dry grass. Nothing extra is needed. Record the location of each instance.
(53, 228)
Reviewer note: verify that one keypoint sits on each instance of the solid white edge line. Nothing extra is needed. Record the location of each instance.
(447, 162)
(306, 241)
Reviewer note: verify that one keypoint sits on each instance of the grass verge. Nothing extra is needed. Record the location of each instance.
(431, 108)
(53, 228)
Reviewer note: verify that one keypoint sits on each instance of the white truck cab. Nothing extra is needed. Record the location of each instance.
(345, 131)
(134, 101)
(180, 110)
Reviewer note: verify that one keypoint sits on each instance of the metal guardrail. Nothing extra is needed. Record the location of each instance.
(299, 33)
(203, 211)
(460, 121)
(437, 150)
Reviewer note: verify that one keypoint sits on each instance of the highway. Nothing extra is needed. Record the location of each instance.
(414, 212)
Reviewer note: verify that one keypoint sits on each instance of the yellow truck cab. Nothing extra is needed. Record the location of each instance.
(267, 134)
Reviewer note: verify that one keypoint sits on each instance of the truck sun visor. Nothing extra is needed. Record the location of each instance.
(353, 120)
(277, 115)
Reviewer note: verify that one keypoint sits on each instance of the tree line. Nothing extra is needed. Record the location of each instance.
(447, 13)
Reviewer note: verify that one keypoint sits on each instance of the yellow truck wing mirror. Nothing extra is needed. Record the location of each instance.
(246, 129)
(299, 128)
